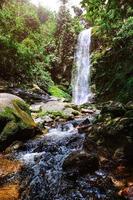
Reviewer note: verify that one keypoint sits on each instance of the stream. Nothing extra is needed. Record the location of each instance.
(44, 175)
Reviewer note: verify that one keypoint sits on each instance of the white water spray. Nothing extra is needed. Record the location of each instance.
(81, 90)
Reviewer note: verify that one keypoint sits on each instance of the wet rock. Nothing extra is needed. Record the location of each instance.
(80, 122)
(44, 120)
(129, 105)
(54, 109)
(129, 114)
(127, 192)
(8, 166)
(81, 163)
(119, 153)
(70, 112)
(16, 122)
(83, 110)
(113, 130)
(10, 192)
(32, 95)
(14, 146)
(128, 153)
(115, 108)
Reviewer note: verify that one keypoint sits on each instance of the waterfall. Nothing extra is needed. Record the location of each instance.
(81, 90)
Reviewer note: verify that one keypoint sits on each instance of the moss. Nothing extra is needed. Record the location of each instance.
(57, 92)
(23, 115)
(24, 106)
(55, 114)
(15, 123)
(52, 114)
(9, 130)
(7, 114)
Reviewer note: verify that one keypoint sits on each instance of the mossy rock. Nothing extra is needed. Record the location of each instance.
(116, 109)
(15, 120)
(6, 100)
(129, 105)
(129, 114)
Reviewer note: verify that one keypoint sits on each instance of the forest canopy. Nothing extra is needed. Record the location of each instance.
(38, 45)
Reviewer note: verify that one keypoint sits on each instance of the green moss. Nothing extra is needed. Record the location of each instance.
(52, 114)
(7, 115)
(23, 115)
(9, 130)
(57, 92)
(24, 106)
(55, 114)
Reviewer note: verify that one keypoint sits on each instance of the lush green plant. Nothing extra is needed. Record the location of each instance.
(67, 29)
(57, 92)
(25, 39)
(112, 43)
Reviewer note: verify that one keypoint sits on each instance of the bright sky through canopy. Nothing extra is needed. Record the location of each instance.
(54, 4)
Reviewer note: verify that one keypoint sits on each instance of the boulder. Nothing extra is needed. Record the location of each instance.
(6, 100)
(16, 122)
(54, 109)
(129, 105)
(81, 163)
(116, 109)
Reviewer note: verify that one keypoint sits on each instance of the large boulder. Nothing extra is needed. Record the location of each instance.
(116, 109)
(80, 163)
(113, 129)
(56, 110)
(16, 122)
(6, 100)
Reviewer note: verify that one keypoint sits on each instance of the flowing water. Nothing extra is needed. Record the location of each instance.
(43, 176)
(81, 76)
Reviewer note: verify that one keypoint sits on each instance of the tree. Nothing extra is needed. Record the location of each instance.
(65, 43)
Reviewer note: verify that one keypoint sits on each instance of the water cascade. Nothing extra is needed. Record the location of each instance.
(81, 76)
(44, 176)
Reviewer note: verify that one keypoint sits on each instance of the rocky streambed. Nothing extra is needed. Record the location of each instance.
(81, 156)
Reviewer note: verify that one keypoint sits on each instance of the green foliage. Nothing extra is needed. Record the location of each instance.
(36, 45)
(126, 30)
(112, 44)
(25, 35)
(57, 92)
(67, 29)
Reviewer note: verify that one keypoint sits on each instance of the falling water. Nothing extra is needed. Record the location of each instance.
(81, 76)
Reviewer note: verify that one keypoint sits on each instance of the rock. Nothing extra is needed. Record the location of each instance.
(129, 105)
(83, 125)
(115, 108)
(8, 166)
(71, 111)
(127, 192)
(52, 106)
(119, 153)
(6, 100)
(129, 114)
(81, 162)
(43, 120)
(32, 95)
(83, 110)
(10, 191)
(35, 108)
(55, 110)
(128, 153)
(16, 122)
(14, 146)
